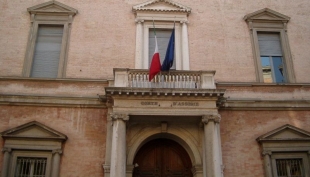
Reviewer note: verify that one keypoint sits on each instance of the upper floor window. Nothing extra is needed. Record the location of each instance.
(270, 46)
(165, 14)
(46, 55)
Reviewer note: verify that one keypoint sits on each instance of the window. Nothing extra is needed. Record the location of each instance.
(163, 36)
(271, 57)
(34, 158)
(30, 164)
(48, 40)
(164, 14)
(289, 165)
(270, 46)
(285, 151)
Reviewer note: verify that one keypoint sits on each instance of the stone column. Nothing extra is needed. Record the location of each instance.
(267, 163)
(118, 153)
(185, 50)
(6, 159)
(212, 155)
(56, 162)
(139, 44)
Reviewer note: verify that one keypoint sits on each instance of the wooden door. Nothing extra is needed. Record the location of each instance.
(162, 158)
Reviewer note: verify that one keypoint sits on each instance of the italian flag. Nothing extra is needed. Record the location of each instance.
(155, 64)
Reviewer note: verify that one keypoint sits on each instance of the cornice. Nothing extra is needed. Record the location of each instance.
(55, 101)
(114, 91)
(255, 104)
(103, 81)
(259, 84)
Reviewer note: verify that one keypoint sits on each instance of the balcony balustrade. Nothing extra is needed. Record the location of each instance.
(139, 78)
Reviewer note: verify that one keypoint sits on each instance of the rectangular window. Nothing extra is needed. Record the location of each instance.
(30, 167)
(271, 57)
(289, 168)
(47, 51)
(163, 36)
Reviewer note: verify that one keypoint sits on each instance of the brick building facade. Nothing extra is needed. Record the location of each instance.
(236, 102)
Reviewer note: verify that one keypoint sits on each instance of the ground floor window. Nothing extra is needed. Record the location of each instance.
(30, 167)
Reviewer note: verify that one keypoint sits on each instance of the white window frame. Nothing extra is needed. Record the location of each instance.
(164, 15)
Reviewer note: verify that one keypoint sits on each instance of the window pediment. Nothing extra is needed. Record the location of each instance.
(285, 133)
(161, 6)
(266, 15)
(52, 7)
(33, 130)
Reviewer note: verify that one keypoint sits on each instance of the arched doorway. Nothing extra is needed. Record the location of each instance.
(162, 158)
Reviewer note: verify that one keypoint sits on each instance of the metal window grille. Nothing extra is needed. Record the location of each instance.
(290, 168)
(30, 167)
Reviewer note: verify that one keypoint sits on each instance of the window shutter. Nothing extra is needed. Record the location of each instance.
(163, 36)
(269, 44)
(47, 51)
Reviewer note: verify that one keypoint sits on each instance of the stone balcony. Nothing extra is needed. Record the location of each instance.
(139, 78)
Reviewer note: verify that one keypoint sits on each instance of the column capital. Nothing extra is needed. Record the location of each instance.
(266, 153)
(184, 22)
(5, 149)
(124, 117)
(106, 168)
(139, 21)
(58, 151)
(211, 117)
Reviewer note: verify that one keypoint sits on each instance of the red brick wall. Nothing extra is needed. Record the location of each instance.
(83, 152)
(239, 130)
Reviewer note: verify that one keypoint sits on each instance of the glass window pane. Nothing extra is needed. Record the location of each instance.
(289, 167)
(266, 67)
(278, 69)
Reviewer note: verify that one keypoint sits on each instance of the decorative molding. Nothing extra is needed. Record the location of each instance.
(285, 133)
(40, 132)
(256, 104)
(216, 118)
(161, 6)
(52, 7)
(114, 91)
(116, 116)
(58, 101)
(266, 153)
(106, 168)
(53, 80)
(198, 169)
(58, 151)
(139, 21)
(266, 14)
(6, 149)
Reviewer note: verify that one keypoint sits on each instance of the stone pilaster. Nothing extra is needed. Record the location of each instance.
(212, 150)
(118, 155)
(6, 159)
(185, 50)
(267, 163)
(139, 44)
(56, 162)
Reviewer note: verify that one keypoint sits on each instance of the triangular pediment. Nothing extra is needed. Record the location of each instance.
(52, 7)
(266, 14)
(161, 6)
(285, 133)
(33, 130)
